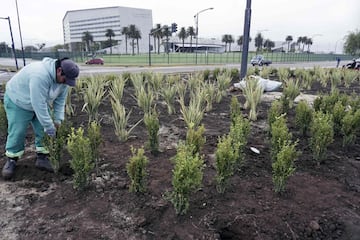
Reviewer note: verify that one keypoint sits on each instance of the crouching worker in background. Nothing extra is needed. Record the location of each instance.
(28, 97)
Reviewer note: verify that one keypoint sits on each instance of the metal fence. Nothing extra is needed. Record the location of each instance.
(178, 58)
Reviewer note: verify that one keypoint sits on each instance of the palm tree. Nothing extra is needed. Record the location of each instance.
(289, 39)
(259, 41)
(183, 35)
(304, 40)
(227, 38)
(240, 41)
(158, 35)
(308, 43)
(191, 32)
(268, 44)
(110, 33)
(133, 31)
(87, 38)
(166, 33)
(125, 32)
(137, 36)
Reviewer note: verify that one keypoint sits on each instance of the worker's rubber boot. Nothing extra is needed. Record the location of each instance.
(43, 162)
(8, 170)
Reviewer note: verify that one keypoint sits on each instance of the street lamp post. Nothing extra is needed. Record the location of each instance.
(21, 41)
(196, 16)
(246, 35)
(12, 41)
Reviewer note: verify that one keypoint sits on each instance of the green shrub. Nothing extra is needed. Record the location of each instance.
(227, 154)
(81, 163)
(152, 124)
(338, 114)
(235, 108)
(56, 145)
(187, 177)
(94, 134)
(283, 167)
(239, 133)
(216, 72)
(279, 136)
(274, 112)
(350, 127)
(136, 169)
(322, 135)
(303, 116)
(196, 138)
(206, 74)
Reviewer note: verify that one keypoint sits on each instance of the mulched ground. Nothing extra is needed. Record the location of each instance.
(320, 202)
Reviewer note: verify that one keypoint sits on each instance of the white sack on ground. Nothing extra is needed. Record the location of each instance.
(267, 85)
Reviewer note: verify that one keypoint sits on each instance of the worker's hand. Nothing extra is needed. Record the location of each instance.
(51, 132)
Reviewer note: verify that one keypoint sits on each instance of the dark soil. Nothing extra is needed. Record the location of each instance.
(320, 202)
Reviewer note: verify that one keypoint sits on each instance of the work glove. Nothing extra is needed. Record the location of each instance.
(51, 132)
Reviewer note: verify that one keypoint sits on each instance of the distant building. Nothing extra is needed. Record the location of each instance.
(98, 20)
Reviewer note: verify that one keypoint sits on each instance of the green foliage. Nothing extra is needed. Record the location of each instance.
(94, 134)
(338, 114)
(3, 119)
(196, 138)
(56, 145)
(168, 92)
(290, 92)
(216, 72)
(252, 92)
(206, 74)
(81, 163)
(350, 126)
(136, 169)
(152, 124)
(274, 112)
(239, 133)
(235, 108)
(283, 167)
(227, 155)
(303, 116)
(187, 177)
(279, 136)
(194, 113)
(120, 119)
(352, 43)
(93, 95)
(322, 135)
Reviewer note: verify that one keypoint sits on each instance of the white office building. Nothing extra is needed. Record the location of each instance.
(97, 20)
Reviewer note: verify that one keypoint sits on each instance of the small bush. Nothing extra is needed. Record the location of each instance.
(303, 116)
(283, 167)
(322, 135)
(187, 177)
(274, 112)
(235, 108)
(78, 146)
(152, 124)
(239, 133)
(279, 136)
(94, 134)
(196, 138)
(350, 126)
(136, 169)
(227, 154)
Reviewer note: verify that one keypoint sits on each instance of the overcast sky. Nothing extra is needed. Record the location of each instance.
(326, 21)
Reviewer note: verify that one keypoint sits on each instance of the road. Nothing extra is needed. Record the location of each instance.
(86, 70)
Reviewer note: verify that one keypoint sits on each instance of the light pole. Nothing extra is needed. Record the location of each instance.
(22, 47)
(12, 42)
(196, 16)
(246, 36)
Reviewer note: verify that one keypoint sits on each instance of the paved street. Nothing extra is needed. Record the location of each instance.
(86, 70)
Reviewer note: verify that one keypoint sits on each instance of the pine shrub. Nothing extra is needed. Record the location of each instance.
(152, 124)
(136, 169)
(196, 138)
(81, 163)
(187, 177)
(279, 136)
(322, 135)
(303, 116)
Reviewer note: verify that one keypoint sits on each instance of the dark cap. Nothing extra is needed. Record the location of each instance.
(70, 70)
